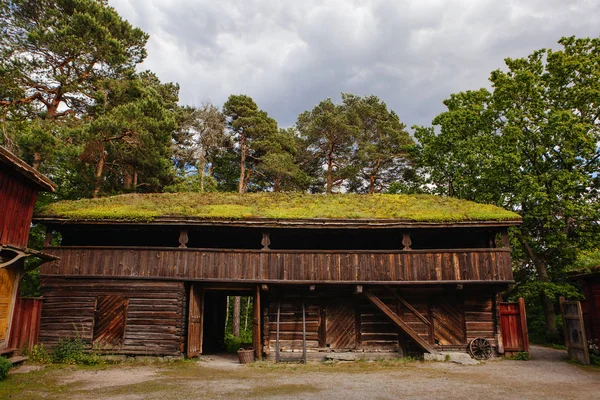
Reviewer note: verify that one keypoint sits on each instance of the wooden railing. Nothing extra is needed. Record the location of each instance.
(293, 266)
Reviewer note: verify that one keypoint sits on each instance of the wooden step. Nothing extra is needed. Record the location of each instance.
(7, 351)
(17, 359)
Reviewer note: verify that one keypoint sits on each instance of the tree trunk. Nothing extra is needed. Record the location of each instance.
(547, 302)
(135, 181)
(247, 312)
(235, 323)
(373, 176)
(127, 179)
(242, 164)
(202, 166)
(99, 171)
(329, 188)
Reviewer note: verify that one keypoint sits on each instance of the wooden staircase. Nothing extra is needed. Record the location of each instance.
(399, 322)
(12, 356)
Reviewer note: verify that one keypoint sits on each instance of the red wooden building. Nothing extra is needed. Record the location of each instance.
(383, 275)
(19, 186)
(590, 307)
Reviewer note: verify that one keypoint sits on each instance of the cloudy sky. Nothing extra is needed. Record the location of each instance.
(289, 55)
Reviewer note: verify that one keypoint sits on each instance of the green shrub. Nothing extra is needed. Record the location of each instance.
(5, 365)
(38, 354)
(72, 351)
(232, 344)
(522, 356)
(68, 351)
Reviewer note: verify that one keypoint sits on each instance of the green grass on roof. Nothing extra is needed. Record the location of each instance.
(145, 207)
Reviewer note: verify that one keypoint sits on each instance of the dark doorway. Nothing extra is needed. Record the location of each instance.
(215, 309)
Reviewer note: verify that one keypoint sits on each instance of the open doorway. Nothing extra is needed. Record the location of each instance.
(211, 320)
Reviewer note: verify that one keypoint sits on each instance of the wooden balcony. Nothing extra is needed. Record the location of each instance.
(491, 265)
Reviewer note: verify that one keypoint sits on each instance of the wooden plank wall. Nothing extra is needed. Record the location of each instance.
(276, 266)
(480, 317)
(456, 318)
(17, 197)
(154, 322)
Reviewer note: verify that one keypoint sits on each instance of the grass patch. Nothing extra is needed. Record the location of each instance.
(146, 207)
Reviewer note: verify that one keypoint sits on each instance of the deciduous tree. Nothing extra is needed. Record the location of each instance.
(530, 145)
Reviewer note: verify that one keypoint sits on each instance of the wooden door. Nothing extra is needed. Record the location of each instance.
(341, 326)
(8, 287)
(513, 323)
(196, 311)
(575, 339)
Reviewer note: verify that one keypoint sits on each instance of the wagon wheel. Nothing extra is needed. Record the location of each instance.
(480, 349)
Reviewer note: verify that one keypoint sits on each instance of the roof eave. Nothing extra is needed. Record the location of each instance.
(277, 223)
(26, 170)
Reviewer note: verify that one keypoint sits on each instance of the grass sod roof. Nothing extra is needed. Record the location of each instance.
(276, 206)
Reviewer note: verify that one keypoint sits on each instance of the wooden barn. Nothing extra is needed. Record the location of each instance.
(383, 275)
(19, 187)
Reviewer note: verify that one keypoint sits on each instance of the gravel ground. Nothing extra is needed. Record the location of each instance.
(546, 376)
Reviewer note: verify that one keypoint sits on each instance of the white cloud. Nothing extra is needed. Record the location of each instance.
(289, 55)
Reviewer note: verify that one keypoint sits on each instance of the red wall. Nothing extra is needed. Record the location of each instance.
(591, 307)
(17, 197)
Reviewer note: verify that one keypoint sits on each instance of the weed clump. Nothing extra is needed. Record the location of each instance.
(72, 351)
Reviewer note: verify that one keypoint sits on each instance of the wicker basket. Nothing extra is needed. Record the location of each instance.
(246, 355)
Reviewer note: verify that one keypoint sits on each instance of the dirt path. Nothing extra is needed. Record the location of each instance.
(546, 376)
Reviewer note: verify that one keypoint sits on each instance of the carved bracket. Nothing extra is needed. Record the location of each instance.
(406, 242)
(183, 238)
(18, 255)
(266, 241)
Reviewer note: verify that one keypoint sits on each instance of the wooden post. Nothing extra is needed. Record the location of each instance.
(48, 238)
(498, 326)
(406, 241)
(505, 240)
(524, 329)
(256, 338)
(183, 238)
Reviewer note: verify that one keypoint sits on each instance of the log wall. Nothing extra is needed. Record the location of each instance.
(338, 321)
(154, 323)
(464, 265)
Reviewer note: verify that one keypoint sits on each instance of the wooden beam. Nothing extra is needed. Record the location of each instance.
(399, 322)
(408, 305)
(256, 338)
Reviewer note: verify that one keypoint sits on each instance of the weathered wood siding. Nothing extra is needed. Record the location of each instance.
(154, 322)
(17, 197)
(337, 321)
(278, 266)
